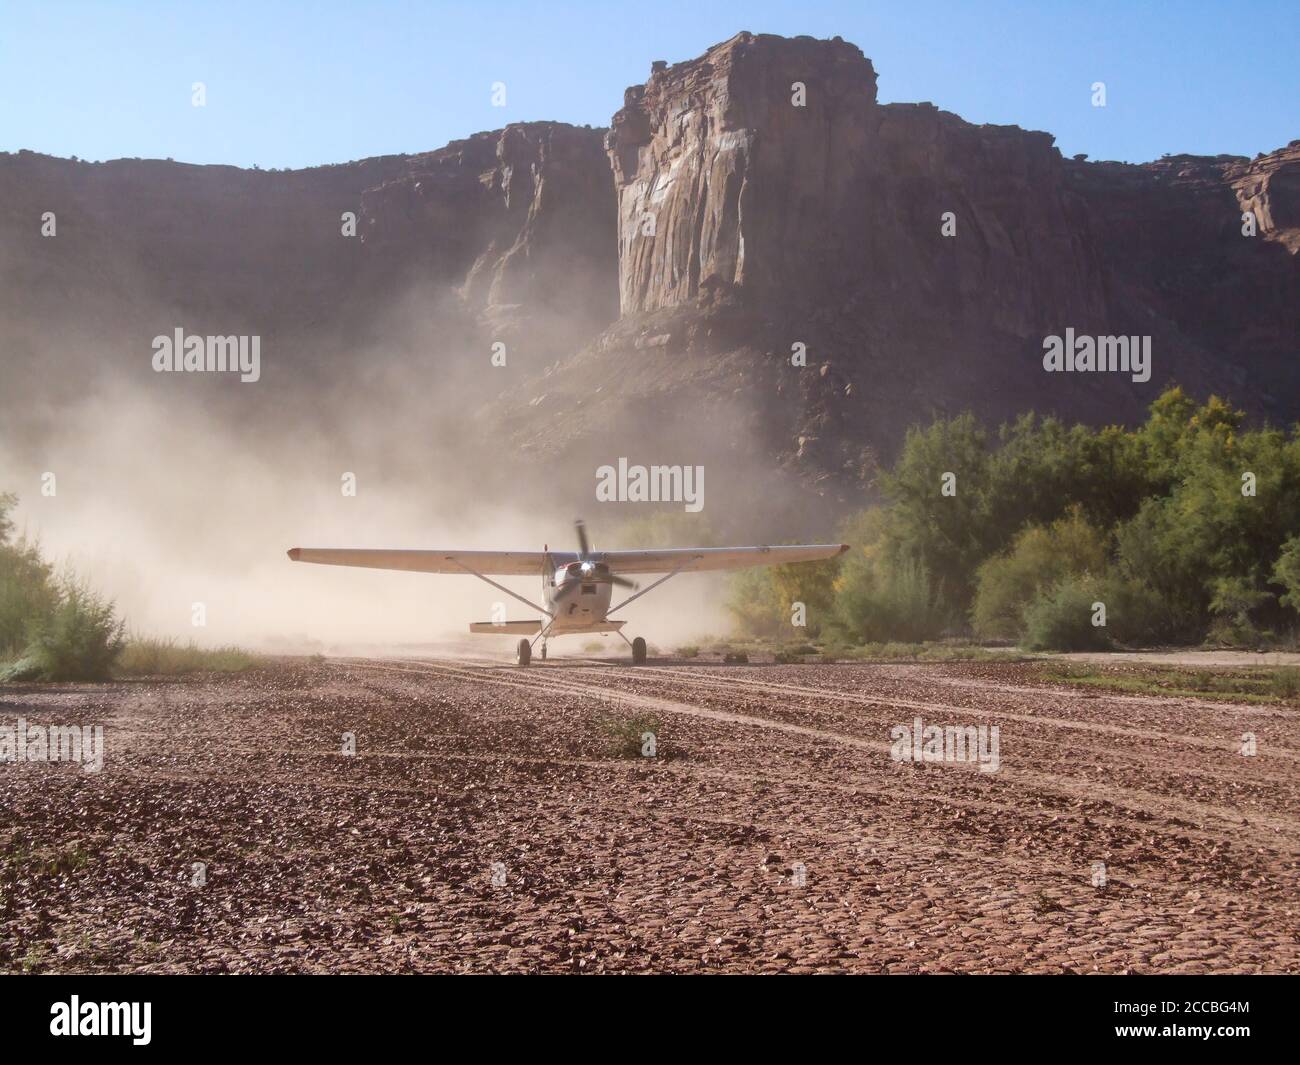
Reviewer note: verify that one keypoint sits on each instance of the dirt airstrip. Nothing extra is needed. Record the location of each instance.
(494, 819)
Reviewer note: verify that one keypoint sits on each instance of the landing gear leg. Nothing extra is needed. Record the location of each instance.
(524, 654)
(540, 638)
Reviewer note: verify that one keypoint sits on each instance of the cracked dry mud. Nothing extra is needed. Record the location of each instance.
(690, 861)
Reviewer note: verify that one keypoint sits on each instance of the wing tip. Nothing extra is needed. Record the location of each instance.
(843, 548)
(295, 553)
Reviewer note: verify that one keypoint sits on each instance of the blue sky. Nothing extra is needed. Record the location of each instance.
(297, 84)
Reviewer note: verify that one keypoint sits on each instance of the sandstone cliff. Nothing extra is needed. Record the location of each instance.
(505, 236)
(519, 221)
(652, 281)
(766, 199)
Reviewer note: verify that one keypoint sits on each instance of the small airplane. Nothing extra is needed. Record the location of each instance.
(576, 587)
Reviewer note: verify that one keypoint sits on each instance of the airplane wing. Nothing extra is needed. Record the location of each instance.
(697, 559)
(530, 563)
(497, 563)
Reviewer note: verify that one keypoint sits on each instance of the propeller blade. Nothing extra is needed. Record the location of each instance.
(622, 582)
(584, 548)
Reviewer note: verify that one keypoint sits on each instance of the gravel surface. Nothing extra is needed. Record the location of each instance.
(494, 819)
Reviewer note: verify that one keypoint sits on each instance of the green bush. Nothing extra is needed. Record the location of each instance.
(755, 604)
(1287, 573)
(81, 638)
(28, 591)
(1039, 558)
(879, 602)
(60, 630)
(795, 652)
(1234, 605)
(1136, 615)
(626, 736)
(762, 599)
(21, 669)
(1060, 618)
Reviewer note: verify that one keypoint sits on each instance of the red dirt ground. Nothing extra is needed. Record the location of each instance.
(771, 831)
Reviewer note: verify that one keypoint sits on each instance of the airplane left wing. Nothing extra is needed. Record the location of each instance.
(698, 559)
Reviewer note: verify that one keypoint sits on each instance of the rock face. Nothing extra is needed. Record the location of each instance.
(1270, 187)
(766, 167)
(518, 219)
(722, 182)
(766, 200)
(1170, 245)
(507, 236)
(521, 216)
(208, 240)
(652, 282)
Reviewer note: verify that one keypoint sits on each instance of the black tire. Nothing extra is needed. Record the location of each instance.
(524, 654)
(543, 652)
(638, 651)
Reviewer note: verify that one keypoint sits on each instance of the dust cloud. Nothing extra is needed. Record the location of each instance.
(177, 489)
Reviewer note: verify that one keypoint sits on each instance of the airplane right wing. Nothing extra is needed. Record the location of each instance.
(497, 563)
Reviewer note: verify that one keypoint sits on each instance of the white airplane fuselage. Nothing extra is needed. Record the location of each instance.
(578, 597)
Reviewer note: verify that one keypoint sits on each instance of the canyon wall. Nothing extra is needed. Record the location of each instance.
(742, 204)
(767, 200)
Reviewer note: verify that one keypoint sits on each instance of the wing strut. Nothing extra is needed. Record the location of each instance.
(502, 587)
(647, 589)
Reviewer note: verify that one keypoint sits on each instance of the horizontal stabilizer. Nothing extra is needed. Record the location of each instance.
(506, 628)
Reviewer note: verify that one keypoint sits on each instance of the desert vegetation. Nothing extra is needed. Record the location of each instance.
(56, 627)
(1183, 531)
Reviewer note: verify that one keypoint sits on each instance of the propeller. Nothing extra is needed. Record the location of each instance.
(584, 555)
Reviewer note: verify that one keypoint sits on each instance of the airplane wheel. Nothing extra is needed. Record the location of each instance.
(638, 651)
(525, 653)
(543, 652)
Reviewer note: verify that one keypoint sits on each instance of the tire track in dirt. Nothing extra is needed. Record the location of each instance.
(379, 861)
(880, 830)
(703, 680)
(887, 794)
(1272, 761)
(1032, 873)
(1245, 709)
(1286, 832)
